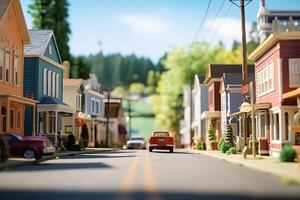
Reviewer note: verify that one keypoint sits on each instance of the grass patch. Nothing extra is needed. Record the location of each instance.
(290, 181)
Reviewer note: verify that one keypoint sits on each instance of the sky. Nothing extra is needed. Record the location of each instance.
(149, 28)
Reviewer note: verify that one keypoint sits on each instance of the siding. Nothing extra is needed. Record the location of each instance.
(55, 54)
(28, 121)
(30, 77)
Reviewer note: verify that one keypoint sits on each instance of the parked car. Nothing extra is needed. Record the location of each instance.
(29, 146)
(161, 140)
(136, 143)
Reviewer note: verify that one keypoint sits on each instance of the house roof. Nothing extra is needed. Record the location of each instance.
(4, 4)
(271, 41)
(217, 70)
(69, 82)
(39, 42)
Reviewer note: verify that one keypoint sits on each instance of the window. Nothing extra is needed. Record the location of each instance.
(1, 64)
(53, 84)
(45, 81)
(50, 50)
(57, 86)
(11, 119)
(16, 69)
(7, 63)
(286, 123)
(263, 126)
(265, 78)
(294, 72)
(276, 126)
(18, 119)
(49, 83)
(93, 105)
(97, 107)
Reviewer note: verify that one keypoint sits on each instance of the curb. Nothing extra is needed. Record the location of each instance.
(252, 166)
(9, 165)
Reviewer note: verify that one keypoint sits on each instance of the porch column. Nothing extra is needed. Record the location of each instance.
(33, 120)
(8, 115)
(281, 126)
(56, 123)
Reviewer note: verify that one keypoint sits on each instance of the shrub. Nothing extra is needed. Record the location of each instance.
(224, 147)
(229, 135)
(232, 150)
(211, 133)
(220, 142)
(4, 150)
(85, 136)
(200, 146)
(287, 154)
(71, 141)
(81, 144)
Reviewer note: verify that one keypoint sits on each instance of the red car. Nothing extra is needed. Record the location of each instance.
(29, 146)
(161, 140)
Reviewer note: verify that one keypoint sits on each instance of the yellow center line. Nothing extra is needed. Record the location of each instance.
(128, 181)
(150, 184)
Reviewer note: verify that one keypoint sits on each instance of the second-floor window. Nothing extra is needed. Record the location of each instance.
(57, 86)
(93, 105)
(78, 101)
(53, 84)
(265, 79)
(294, 72)
(45, 82)
(49, 82)
(7, 63)
(1, 63)
(16, 69)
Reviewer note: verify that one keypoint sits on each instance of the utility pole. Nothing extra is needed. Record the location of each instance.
(107, 118)
(246, 89)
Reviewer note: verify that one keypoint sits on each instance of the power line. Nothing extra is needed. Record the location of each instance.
(221, 23)
(213, 22)
(203, 20)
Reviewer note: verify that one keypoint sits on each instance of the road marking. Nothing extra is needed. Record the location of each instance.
(128, 180)
(150, 184)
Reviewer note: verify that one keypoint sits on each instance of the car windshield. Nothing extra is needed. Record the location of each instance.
(137, 138)
(161, 134)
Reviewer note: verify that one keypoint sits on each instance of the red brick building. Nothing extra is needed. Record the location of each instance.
(277, 71)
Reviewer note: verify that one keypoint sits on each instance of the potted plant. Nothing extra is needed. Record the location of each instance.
(212, 138)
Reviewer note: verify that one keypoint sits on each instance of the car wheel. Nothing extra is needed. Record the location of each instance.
(171, 150)
(29, 154)
(150, 149)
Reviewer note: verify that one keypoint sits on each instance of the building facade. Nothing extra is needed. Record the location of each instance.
(13, 36)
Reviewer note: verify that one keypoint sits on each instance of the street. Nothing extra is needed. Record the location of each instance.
(138, 174)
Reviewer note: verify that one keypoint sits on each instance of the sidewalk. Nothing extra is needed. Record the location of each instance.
(15, 162)
(266, 164)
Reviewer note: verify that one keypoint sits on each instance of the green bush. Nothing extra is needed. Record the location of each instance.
(232, 150)
(220, 142)
(211, 133)
(4, 150)
(81, 144)
(224, 147)
(229, 135)
(85, 136)
(287, 154)
(200, 146)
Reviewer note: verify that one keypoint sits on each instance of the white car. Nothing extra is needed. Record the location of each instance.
(136, 143)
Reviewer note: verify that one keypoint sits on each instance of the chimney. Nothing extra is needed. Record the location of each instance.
(262, 3)
(66, 65)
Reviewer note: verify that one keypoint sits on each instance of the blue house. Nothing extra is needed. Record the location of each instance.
(43, 81)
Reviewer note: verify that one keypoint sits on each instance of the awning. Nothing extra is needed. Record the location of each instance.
(53, 105)
(246, 108)
(19, 99)
(211, 114)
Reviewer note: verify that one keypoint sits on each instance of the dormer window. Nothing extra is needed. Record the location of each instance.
(50, 49)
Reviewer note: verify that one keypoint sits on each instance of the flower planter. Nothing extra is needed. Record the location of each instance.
(214, 145)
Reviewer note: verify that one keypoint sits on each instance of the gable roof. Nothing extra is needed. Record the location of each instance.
(272, 40)
(217, 70)
(4, 4)
(39, 42)
(72, 82)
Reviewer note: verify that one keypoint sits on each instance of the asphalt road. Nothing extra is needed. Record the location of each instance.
(138, 174)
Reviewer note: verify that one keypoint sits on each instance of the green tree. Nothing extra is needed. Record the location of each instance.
(211, 133)
(82, 67)
(229, 135)
(53, 14)
(136, 88)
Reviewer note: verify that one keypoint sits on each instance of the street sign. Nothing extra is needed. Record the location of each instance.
(245, 89)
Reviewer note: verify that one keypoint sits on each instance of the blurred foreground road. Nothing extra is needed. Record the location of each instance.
(141, 175)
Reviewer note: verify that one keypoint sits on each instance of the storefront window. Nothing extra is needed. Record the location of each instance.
(276, 125)
(263, 126)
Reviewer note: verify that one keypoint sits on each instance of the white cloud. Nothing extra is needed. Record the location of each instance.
(146, 24)
(226, 31)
